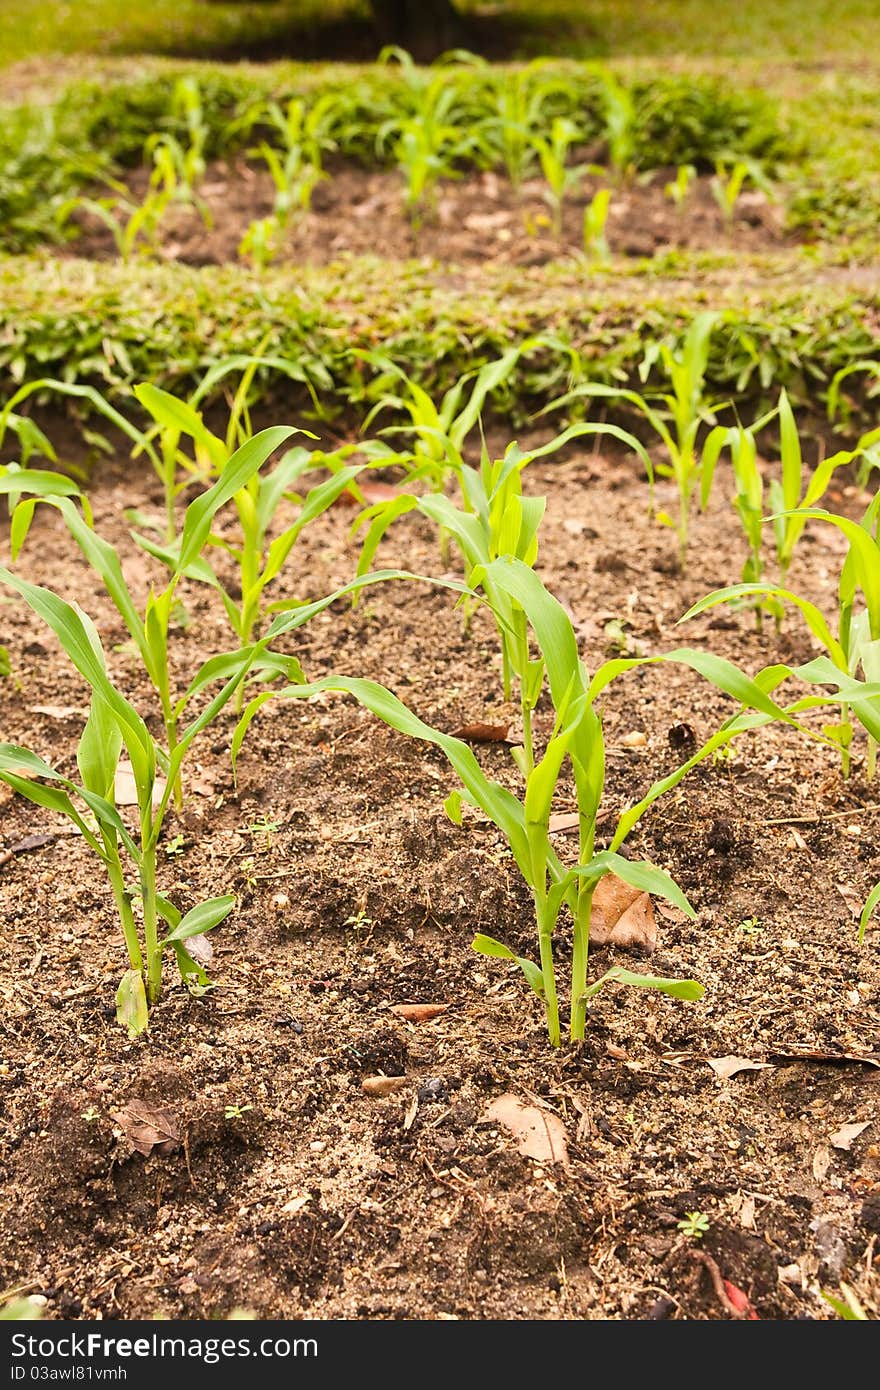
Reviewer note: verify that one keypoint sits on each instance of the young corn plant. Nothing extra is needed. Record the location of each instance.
(114, 725)
(868, 445)
(678, 189)
(521, 104)
(180, 167)
(493, 520)
(258, 558)
(787, 496)
(427, 140)
(560, 175)
(524, 822)
(595, 220)
(852, 657)
(149, 630)
(440, 430)
(620, 123)
(676, 415)
(728, 182)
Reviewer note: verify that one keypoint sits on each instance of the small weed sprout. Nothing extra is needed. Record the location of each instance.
(694, 1225)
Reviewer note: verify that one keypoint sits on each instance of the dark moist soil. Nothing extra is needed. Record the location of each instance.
(288, 1190)
(478, 218)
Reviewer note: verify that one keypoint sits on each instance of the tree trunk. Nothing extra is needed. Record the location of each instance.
(425, 28)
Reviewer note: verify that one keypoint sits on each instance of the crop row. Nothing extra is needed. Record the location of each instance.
(430, 123)
(482, 513)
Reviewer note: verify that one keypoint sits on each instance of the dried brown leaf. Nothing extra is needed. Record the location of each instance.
(562, 821)
(371, 491)
(383, 1085)
(149, 1128)
(821, 1162)
(622, 916)
(538, 1133)
(483, 733)
(418, 1013)
(125, 787)
(843, 1137)
(726, 1067)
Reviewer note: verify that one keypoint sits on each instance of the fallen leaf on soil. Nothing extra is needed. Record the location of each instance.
(418, 1013)
(125, 787)
(622, 916)
(808, 1054)
(200, 949)
(148, 1128)
(483, 733)
(821, 1162)
(30, 842)
(726, 1067)
(843, 1138)
(370, 491)
(383, 1085)
(538, 1133)
(620, 1054)
(562, 821)
(60, 711)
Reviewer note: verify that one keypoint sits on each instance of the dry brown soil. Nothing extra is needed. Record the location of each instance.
(290, 1190)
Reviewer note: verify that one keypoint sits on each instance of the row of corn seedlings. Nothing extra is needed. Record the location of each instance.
(528, 125)
(494, 527)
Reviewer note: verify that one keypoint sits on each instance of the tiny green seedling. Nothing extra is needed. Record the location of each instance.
(175, 847)
(750, 926)
(679, 188)
(595, 220)
(236, 1112)
(694, 1225)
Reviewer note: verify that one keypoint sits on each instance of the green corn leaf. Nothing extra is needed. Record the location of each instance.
(70, 630)
(550, 622)
(237, 473)
(170, 413)
(488, 946)
(871, 902)
(647, 878)
(677, 989)
(790, 451)
(131, 1004)
(39, 482)
(814, 619)
(20, 525)
(201, 919)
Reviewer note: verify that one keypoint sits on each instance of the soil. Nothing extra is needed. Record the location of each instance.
(284, 1186)
(477, 218)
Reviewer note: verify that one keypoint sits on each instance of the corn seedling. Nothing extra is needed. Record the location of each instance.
(855, 648)
(427, 141)
(847, 1306)
(577, 735)
(296, 168)
(262, 241)
(595, 220)
(678, 189)
(728, 182)
(494, 520)
(559, 174)
(258, 559)
(868, 446)
(620, 114)
(787, 496)
(521, 105)
(179, 168)
(684, 406)
(113, 725)
(149, 630)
